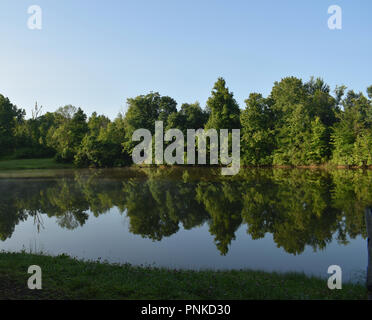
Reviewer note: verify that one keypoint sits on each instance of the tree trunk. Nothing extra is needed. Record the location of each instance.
(369, 269)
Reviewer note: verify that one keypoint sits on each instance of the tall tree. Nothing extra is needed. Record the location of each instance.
(257, 137)
(291, 120)
(224, 110)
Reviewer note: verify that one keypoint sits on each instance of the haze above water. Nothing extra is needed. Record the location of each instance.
(266, 219)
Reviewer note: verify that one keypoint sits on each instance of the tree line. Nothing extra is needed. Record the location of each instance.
(298, 123)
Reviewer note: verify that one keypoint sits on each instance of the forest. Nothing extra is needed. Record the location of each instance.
(298, 124)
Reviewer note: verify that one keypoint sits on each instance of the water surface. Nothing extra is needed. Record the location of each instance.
(267, 219)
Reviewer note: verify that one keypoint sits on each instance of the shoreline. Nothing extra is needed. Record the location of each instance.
(50, 163)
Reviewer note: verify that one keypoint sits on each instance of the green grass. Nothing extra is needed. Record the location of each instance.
(68, 278)
(24, 164)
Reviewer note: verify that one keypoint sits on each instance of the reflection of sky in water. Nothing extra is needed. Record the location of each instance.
(108, 237)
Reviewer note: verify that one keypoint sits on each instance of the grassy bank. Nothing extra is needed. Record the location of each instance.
(67, 278)
(25, 164)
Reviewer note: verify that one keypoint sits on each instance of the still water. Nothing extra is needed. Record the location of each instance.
(267, 219)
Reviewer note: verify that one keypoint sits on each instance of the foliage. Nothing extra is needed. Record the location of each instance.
(299, 123)
(351, 135)
(257, 134)
(191, 116)
(142, 113)
(102, 145)
(10, 117)
(304, 115)
(224, 110)
(68, 131)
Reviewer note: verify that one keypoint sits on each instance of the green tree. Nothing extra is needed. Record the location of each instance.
(362, 149)
(353, 127)
(257, 134)
(224, 110)
(191, 116)
(68, 132)
(291, 120)
(317, 150)
(102, 146)
(30, 136)
(142, 113)
(10, 116)
(304, 113)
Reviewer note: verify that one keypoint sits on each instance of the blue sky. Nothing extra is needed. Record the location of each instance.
(95, 54)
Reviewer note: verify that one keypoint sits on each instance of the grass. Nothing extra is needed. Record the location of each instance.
(64, 277)
(24, 164)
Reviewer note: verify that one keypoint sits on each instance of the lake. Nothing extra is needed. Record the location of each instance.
(263, 219)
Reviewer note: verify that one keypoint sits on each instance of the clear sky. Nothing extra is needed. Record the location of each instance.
(95, 54)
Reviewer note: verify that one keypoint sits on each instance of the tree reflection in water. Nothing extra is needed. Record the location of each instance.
(299, 207)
